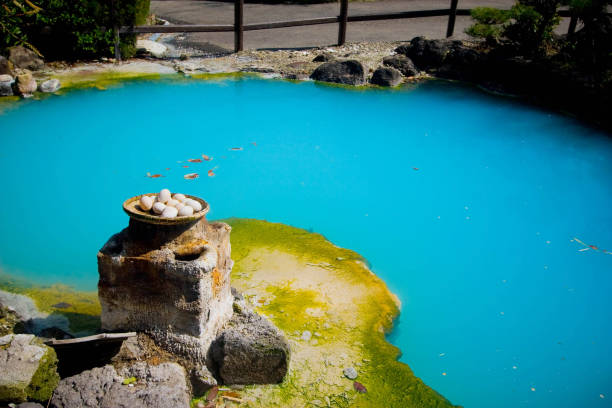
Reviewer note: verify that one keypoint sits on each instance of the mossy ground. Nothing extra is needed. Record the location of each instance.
(302, 282)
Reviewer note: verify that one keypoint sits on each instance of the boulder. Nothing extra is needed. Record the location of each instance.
(28, 367)
(464, 63)
(30, 318)
(324, 57)
(161, 386)
(25, 84)
(6, 66)
(402, 63)
(427, 54)
(348, 72)
(6, 85)
(24, 58)
(386, 76)
(250, 350)
(49, 86)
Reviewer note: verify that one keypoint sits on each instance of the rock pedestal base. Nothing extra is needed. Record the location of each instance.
(169, 281)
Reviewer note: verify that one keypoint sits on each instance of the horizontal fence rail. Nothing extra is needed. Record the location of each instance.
(343, 19)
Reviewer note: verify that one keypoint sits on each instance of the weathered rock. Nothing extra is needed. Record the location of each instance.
(427, 54)
(28, 369)
(171, 282)
(402, 63)
(25, 85)
(349, 72)
(324, 57)
(6, 66)
(386, 76)
(34, 321)
(29, 405)
(154, 48)
(24, 58)
(464, 63)
(202, 380)
(6, 85)
(250, 350)
(130, 350)
(161, 386)
(52, 85)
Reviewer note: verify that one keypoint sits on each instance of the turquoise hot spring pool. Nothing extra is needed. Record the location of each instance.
(476, 210)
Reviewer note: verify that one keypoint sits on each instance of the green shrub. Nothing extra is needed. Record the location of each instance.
(13, 17)
(78, 29)
(490, 23)
(533, 22)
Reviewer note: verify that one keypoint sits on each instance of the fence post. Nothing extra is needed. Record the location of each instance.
(342, 23)
(117, 45)
(238, 25)
(451, 18)
(572, 25)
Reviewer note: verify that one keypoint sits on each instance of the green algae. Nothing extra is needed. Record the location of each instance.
(45, 379)
(356, 328)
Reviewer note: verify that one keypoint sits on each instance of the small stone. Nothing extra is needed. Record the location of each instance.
(306, 335)
(324, 57)
(350, 373)
(25, 85)
(6, 85)
(52, 85)
(154, 48)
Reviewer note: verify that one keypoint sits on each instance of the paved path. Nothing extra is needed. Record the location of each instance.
(214, 12)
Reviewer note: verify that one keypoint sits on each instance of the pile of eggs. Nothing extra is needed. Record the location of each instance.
(167, 205)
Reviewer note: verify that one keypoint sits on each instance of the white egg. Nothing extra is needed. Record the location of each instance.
(179, 206)
(164, 196)
(179, 197)
(172, 203)
(159, 208)
(194, 204)
(186, 211)
(146, 202)
(169, 212)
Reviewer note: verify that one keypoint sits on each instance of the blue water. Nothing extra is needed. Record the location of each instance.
(477, 242)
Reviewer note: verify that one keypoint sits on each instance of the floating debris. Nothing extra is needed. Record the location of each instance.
(211, 173)
(254, 144)
(359, 387)
(154, 175)
(185, 167)
(237, 149)
(195, 160)
(415, 168)
(207, 158)
(589, 246)
(191, 176)
(444, 374)
(441, 354)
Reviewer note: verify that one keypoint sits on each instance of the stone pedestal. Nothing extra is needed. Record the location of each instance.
(169, 281)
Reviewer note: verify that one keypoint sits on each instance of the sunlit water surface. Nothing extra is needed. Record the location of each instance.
(466, 204)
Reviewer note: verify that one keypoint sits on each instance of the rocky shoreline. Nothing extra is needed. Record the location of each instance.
(380, 64)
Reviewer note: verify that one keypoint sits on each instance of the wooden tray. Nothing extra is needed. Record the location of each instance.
(132, 207)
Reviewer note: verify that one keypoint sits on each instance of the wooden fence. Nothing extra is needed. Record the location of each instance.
(342, 19)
